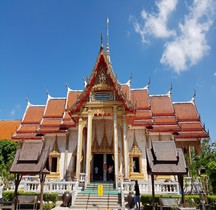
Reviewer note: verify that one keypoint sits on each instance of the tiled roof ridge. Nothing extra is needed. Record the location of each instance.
(143, 88)
(160, 95)
(27, 107)
(49, 97)
(72, 90)
(128, 83)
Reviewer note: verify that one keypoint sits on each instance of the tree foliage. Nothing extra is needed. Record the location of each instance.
(205, 163)
(7, 153)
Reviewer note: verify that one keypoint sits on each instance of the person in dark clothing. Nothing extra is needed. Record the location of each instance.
(137, 195)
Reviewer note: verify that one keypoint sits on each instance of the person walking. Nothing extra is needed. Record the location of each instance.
(137, 195)
(1, 191)
(96, 170)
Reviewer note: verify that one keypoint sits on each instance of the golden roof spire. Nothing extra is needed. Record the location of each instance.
(107, 40)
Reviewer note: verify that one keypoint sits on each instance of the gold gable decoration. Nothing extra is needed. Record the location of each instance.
(54, 159)
(136, 169)
(102, 81)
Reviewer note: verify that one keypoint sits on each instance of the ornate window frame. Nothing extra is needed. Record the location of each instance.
(54, 154)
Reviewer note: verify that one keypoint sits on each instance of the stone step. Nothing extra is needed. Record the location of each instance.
(91, 201)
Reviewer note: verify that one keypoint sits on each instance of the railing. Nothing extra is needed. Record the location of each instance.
(50, 186)
(146, 187)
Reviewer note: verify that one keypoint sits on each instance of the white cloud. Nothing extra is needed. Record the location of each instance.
(191, 45)
(14, 110)
(156, 23)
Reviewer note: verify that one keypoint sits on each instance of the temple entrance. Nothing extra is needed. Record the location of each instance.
(110, 167)
(103, 167)
(98, 167)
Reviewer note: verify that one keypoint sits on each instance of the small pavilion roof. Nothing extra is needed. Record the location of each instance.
(31, 158)
(165, 159)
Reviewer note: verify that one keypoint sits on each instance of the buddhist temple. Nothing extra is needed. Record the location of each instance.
(109, 126)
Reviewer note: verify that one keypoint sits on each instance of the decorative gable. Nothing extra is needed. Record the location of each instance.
(102, 89)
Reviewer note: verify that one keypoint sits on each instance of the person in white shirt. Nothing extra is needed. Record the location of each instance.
(1, 191)
(96, 173)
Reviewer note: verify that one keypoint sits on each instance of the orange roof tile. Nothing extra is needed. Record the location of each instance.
(55, 107)
(140, 98)
(186, 111)
(8, 128)
(165, 128)
(53, 129)
(27, 128)
(72, 97)
(192, 134)
(143, 114)
(191, 126)
(50, 122)
(33, 114)
(126, 91)
(21, 136)
(161, 105)
(165, 120)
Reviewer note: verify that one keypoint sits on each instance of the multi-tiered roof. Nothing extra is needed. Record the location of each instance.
(157, 113)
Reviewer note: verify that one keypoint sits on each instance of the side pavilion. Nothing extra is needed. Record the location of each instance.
(165, 159)
(32, 158)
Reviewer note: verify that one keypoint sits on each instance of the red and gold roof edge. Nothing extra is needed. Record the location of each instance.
(153, 122)
(117, 87)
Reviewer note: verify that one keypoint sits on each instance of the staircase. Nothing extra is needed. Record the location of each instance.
(89, 199)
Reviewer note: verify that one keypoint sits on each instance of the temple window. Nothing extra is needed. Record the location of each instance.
(136, 167)
(54, 159)
(54, 162)
(102, 96)
(135, 155)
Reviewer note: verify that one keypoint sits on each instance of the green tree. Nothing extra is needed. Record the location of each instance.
(7, 153)
(206, 161)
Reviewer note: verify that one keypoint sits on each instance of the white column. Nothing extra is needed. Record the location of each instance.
(79, 148)
(66, 158)
(88, 147)
(126, 165)
(115, 146)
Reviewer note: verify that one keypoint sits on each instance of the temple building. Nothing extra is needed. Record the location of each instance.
(102, 132)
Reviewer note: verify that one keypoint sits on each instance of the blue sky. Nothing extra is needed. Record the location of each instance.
(46, 44)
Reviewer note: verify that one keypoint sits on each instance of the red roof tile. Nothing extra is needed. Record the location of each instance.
(72, 97)
(50, 122)
(186, 111)
(55, 108)
(22, 136)
(161, 105)
(27, 128)
(33, 114)
(143, 114)
(191, 126)
(126, 91)
(140, 98)
(165, 120)
(192, 134)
